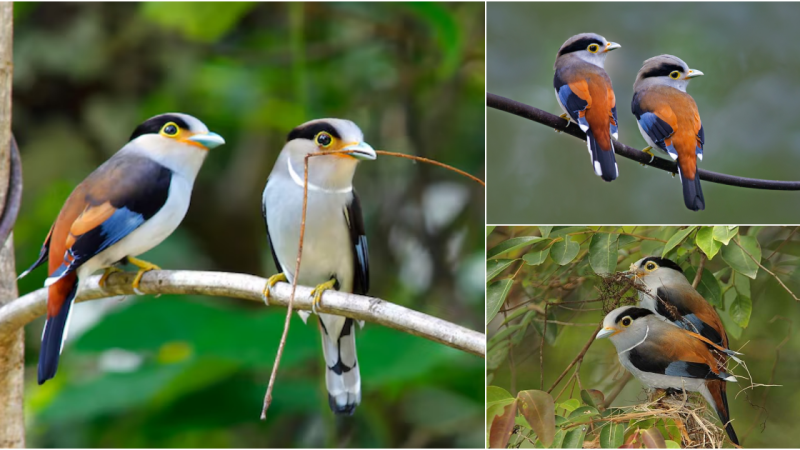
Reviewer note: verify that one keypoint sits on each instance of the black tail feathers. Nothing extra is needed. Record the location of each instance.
(604, 163)
(52, 338)
(692, 193)
(723, 417)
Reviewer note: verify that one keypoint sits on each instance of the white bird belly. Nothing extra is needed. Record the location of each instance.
(151, 233)
(327, 248)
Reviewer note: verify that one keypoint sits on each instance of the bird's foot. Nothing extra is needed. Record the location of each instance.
(317, 293)
(106, 273)
(272, 281)
(143, 266)
(565, 117)
(649, 151)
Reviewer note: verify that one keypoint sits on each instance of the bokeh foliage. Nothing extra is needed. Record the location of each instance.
(561, 273)
(191, 372)
(744, 50)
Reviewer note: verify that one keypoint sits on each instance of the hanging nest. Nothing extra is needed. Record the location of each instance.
(616, 290)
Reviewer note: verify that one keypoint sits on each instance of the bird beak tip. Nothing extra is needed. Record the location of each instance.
(604, 333)
(694, 73)
(209, 140)
(362, 151)
(612, 46)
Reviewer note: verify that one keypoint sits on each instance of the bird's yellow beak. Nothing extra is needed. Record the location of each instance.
(208, 140)
(361, 151)
(607, 332)
(611, 46)
(693, 73)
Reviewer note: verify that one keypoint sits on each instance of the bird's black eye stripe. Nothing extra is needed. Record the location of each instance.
(633, 313)
(311, 131)
(580, 44)
(154, 125)
(663, 70)
(662, 262)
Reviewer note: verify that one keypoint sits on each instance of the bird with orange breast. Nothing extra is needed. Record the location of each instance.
(663, 356)
(669, 120)
(124, 208)
(584, 92)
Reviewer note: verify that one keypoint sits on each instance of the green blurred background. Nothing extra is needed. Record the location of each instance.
(749, 54)
(191, 372)
(769, 340)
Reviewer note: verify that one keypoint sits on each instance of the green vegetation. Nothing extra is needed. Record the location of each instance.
(180, 371)
(548, 288)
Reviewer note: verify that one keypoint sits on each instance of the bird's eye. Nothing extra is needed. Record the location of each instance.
(170, 129)
(626, 322)
(324, 139)
(675, 75)
(593, 48)
(650, 265)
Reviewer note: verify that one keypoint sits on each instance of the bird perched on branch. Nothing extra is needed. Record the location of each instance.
(335, 254)
(666, 291)
(669, 120)
(124, 208)
(663, 356)
(584, 92)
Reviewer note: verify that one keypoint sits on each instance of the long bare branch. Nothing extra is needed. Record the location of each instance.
(537, 115)
(249, 287)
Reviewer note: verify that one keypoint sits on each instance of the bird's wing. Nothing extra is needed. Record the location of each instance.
(686, 308)
(671, 351)
(574, 95)
(612, 100)
(113, 201)
(656, 118)
(701, 140)
(358, 239)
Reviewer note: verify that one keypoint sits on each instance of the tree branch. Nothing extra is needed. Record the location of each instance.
(249, 287)
(555, 122)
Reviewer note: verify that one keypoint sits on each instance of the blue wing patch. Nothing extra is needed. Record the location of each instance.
(689, 370)
(94, 241)
(658, 130)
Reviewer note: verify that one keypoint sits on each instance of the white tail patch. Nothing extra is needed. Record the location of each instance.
(597, 169)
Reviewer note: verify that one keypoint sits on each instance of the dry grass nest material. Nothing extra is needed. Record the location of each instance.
(696, 422)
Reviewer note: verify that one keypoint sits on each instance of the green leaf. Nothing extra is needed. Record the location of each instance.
(709, 286)
(564, 251)
(741, 309)
(511, 244)
(545, 231)
(603, 253)
(204, 22)
(496, 393)
(593, 397)
(496, 294)
(672, 444)
(489, 230)
(676, 239)
(539, 410)
(495, 267)
(705, 240)
(570, 405)
(724, 233)
(536, 258)
(574, 438)
(583, 414)
(625, 239)
(612, 435)
(735, 256)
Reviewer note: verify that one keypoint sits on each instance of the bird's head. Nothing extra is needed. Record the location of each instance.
(666, 70)
(625, 326)
(589, 47)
